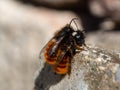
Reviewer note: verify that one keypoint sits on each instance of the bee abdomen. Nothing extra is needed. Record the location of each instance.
(63, 66)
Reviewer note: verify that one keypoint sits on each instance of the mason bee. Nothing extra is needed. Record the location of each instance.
(59, 51)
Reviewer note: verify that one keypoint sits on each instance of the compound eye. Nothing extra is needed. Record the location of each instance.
(77, 36)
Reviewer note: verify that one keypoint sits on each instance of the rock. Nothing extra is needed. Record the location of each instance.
(93, 69)
(104, 39)
(23, 32)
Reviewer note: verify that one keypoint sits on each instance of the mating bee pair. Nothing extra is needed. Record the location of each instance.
(59, 51)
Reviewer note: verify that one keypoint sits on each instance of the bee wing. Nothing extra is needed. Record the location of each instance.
(43, 50)
(61, 56)
(55, 43)
(59, 35)
(62, 64)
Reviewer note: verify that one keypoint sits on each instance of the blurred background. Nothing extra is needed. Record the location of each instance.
(26, 25)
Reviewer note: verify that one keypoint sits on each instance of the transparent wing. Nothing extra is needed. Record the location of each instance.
(62, 54)
(53, 44)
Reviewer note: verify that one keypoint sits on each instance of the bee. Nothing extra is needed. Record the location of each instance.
(59, 51)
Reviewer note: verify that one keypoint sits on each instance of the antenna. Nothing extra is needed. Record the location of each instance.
(73, 20)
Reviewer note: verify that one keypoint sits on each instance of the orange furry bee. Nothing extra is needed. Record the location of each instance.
(59, 51)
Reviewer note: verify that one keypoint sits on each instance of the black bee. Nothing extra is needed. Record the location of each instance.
(59, 51)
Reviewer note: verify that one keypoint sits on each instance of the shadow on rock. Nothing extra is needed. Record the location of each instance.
(47, 78)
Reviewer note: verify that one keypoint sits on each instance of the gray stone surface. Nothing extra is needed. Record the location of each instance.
(24, 30)
(93, 69)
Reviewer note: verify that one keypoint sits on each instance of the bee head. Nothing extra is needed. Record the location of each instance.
(79, 37)
(69, 29)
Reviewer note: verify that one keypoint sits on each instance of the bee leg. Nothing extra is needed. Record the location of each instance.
(85, 46)
(69, 68)
(69, 71)
(79, 49)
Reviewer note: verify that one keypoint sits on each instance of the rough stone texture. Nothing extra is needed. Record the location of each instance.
(24, 30)
(93, 69)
